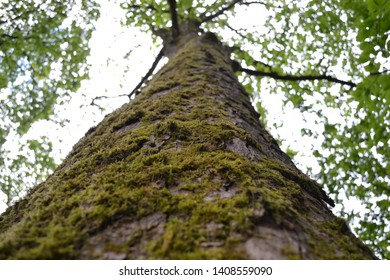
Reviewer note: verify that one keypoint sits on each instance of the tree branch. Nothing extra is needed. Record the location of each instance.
(175, 23)
(204, 18)
(277, 76)
(150, 7)
(380, 73)
(8, 36)
(150, 72)
(253, 2)
(5, 36)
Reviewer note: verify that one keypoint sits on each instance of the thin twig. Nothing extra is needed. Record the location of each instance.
(253, 2)
(236, 48)
(150, 72)
(106, 97)
(204, 18)
(236, 31)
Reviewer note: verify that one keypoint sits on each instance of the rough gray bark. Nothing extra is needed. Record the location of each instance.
(183, 171)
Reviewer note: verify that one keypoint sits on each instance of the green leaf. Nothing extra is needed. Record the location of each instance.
(372, 67)
(372, 6)
(3, 80)
(296, 100)
(186, 4)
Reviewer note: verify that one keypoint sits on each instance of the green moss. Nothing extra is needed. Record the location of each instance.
(343, 245)
(290, 253)
(189, 240)
(133, 118)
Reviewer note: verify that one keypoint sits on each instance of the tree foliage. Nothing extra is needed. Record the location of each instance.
(43, 50)
(326, 58)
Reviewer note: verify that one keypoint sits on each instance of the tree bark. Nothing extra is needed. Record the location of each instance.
(184, 171)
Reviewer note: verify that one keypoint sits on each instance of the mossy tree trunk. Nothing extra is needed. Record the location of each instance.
(183, 171)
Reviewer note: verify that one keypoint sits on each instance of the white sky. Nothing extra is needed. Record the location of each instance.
(109, 44)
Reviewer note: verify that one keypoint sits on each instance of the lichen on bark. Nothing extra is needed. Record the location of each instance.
(184, 171)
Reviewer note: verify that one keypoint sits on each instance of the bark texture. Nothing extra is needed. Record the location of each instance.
(184, 171)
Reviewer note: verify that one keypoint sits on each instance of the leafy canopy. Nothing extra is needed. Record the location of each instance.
(328, 59)
(43, 50)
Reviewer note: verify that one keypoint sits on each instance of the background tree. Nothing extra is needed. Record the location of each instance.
(43, 50)
(299, 55)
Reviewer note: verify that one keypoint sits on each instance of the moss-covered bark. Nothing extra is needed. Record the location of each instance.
(184, 171)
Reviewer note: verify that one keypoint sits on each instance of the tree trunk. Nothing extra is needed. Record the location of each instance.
(184, 171)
